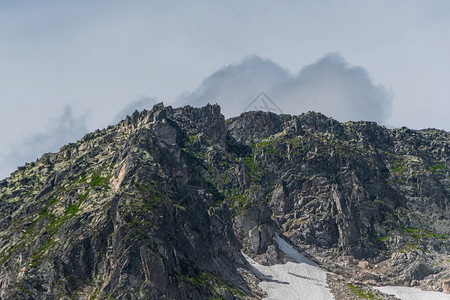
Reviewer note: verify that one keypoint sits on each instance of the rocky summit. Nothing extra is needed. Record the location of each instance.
(172, 204)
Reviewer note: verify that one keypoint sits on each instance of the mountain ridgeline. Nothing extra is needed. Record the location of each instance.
(163, 204)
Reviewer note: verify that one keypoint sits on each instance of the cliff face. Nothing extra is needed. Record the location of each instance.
(161, 205)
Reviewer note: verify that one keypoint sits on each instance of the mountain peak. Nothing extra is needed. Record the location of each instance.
(162, 204)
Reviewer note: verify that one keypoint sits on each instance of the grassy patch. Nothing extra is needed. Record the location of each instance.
(51, 202)
(193, 138)
(36, 259)
(73, 209)
(383, 239)
(98, 180)
(84, 196)
(4, 257)
(74, 184)
(268, 147)
(423, 234)
(237, 201)
(151, 191)
(255, 172)
(42, 214)
(249, 162)
(360, 293)
(239, 204)
(437, 167)
(68, 214)
(398, 167)
(213, 284)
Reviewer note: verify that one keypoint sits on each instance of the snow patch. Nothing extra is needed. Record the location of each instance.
(304, 279)
(292, 253)
(301, 280)
(409, 293)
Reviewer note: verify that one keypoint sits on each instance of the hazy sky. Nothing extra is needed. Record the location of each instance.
(68, 67)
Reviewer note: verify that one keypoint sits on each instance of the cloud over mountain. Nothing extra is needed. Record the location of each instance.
(330, 85)
(138, 104)
(64, 129)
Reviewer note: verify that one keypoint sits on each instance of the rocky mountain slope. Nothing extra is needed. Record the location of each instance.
(162, 204)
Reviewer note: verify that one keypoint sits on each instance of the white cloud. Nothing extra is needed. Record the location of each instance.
(331, 86)
(95, 56)
(138, 104)
(61, 130)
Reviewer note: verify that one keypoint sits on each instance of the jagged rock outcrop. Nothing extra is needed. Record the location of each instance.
(161, 204)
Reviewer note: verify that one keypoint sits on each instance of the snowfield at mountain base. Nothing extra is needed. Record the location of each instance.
(300, 280)
(409, 293)
(304, 279)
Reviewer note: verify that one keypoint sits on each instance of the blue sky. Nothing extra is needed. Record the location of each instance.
(67, 67)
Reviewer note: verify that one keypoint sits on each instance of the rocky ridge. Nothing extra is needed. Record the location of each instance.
(161, 205)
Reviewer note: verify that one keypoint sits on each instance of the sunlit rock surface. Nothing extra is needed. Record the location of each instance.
(162, 204)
